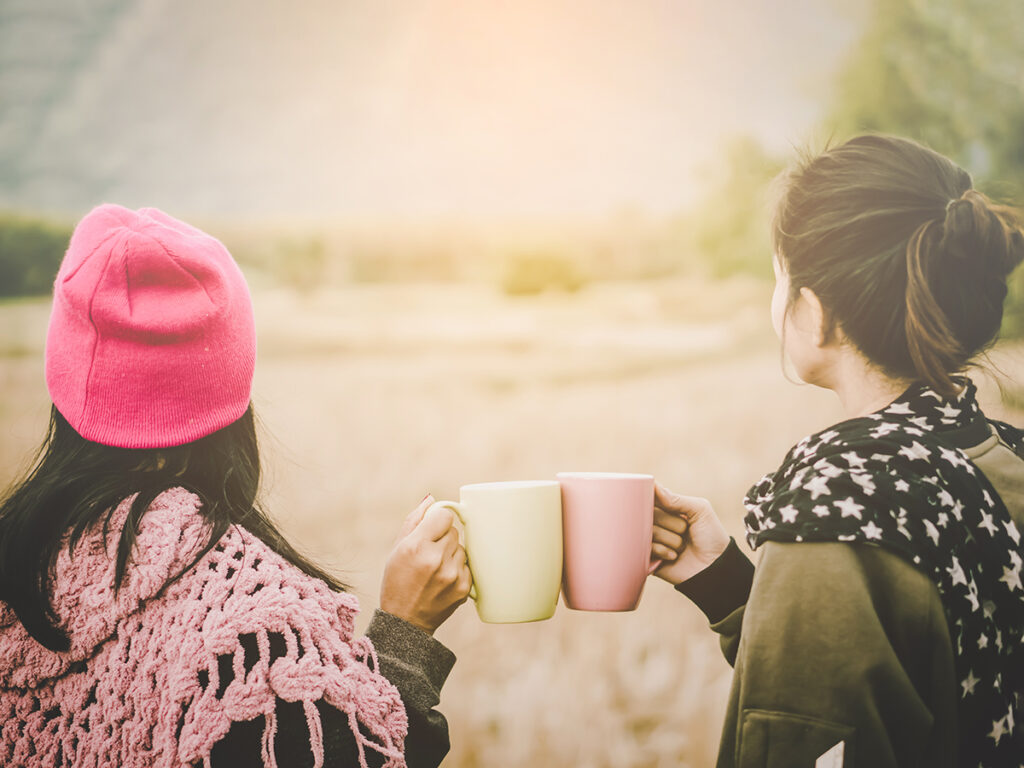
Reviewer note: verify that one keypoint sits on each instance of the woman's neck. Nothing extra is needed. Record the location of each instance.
(861, 387)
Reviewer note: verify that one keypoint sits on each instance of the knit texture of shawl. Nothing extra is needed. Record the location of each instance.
(141, 685)
(891, 480)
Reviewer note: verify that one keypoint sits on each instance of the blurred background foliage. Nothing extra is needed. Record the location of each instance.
(31, 248)
(946, 72)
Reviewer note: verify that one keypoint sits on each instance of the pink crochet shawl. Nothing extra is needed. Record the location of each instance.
(139, 685)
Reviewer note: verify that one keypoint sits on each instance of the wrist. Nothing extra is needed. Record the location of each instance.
(723, 585)
(406, 615)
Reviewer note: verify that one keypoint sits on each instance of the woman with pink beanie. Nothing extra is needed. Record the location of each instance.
(151, 614)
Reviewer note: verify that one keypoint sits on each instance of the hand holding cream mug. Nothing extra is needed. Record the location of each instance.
(513, 546)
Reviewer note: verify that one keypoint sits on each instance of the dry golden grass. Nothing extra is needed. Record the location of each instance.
(373, 396)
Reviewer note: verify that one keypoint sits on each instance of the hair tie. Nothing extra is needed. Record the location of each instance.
(952, 202)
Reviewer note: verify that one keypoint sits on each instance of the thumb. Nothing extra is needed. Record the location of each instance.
(413, 518)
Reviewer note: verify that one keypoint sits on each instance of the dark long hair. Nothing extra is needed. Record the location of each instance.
(76, 484)
(907, 257)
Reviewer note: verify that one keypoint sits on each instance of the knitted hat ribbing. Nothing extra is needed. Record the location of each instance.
(151, 340)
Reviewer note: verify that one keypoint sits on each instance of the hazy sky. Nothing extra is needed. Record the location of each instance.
(421, 107)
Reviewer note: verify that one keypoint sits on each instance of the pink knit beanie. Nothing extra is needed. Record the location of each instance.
(151, 340)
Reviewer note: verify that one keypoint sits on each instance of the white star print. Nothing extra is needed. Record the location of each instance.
(821, 510)
(1011, 577)
(968, 684)
(1011, 530)
(884, 429)
(828, 437)
(999, 639)
(957, 572)
(902, 485)
(915, 451)
(902, 409)
(982, 642)
(788, 513)
(988, 609)
(953, 457)
(998, 729)
(828, 470)
(849, 507)
(817, 486)
(932, 531)
(855, 461)
(798, 479)
(864, 480)
(871, 530)
(949, 411)
(958, 509)
(945, 498)
(987, 524)
(942, 519)
(972, 598)
(988, 499)
(920, 421)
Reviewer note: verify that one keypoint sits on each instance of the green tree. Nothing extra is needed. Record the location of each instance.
(30, 254)
(949, 73)
(730, 226)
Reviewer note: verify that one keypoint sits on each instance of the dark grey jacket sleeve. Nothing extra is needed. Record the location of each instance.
(417, 665)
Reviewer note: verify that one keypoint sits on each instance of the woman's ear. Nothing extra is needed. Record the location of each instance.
(820, 324)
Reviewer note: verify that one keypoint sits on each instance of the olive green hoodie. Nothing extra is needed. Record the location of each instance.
(842, 653)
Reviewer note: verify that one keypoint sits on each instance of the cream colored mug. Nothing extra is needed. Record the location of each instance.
(513, 540)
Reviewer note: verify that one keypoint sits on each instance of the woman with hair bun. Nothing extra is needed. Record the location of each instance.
(883, 623)
(151, 613)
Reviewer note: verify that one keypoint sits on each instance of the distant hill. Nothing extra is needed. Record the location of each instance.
(218, 107)
(431, 108)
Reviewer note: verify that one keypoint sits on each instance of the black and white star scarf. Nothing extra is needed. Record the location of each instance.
(893, 479)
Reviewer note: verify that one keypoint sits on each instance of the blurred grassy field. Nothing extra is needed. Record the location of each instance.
(372, 396)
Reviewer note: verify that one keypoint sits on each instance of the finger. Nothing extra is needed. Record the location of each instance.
(662, 552)
(667, 520)
(464, 582)
(435, 524)
(687, 506)
(668, 539)
(450, 545)
(414, 517)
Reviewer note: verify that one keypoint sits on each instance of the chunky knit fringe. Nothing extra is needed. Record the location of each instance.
(143, 685)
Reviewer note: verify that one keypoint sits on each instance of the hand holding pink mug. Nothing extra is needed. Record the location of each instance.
(608, 523)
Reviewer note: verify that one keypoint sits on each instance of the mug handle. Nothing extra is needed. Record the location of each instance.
(460, 512)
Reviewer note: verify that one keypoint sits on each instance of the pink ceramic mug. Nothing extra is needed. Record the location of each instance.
(607, 526)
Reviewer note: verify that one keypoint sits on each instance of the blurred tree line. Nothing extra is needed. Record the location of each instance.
(30, 253)
(949, 73)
